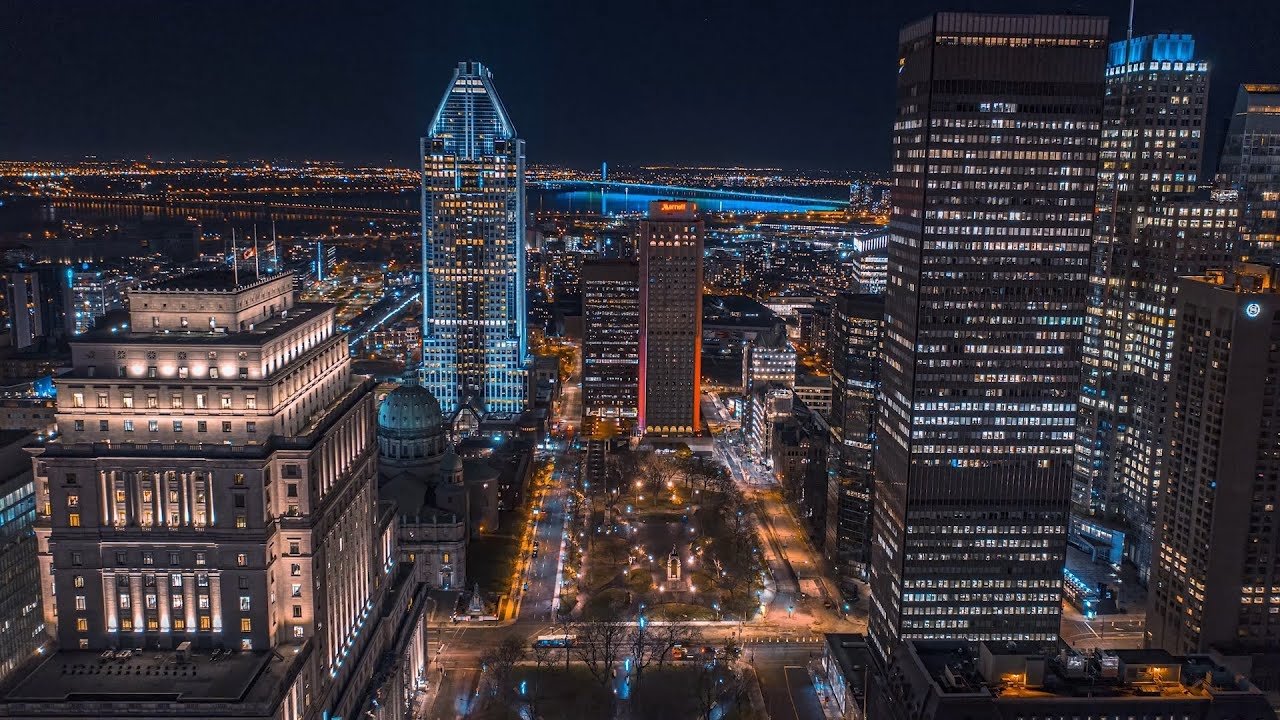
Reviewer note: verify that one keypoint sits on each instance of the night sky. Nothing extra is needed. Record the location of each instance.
(790, 83)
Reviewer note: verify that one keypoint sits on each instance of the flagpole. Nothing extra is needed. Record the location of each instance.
(256, 274)
(275, 246)
(235, 260)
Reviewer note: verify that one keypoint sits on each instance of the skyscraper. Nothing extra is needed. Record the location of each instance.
(214, 486)
(857, 330)
(670, 319)
(1215, 583)
(474, 335)
(1250, 164)
(1152, 149)
(35, 304)
(995, 158)
(611, 341)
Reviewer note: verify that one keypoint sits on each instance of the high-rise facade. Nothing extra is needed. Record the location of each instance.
(857, 330)
(473, 261)
(35, 304)
(22, 628)
(611, 341)
(670, 319)
(1215, 583)
(1178, 237)
(1151, 151)
(1250, 164)
(215, 486)
(995, 160)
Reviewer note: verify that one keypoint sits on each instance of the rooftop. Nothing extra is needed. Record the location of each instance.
(1012, 670)
(261, 333)
(155, 676)
(852, 654)
(221, 281)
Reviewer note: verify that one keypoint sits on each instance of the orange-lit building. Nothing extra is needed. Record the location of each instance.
(671, 240)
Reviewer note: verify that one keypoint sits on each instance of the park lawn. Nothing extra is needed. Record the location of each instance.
(680, 611)
(608, 604)
(606, 558)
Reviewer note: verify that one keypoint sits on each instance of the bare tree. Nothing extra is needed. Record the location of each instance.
(715, 683)
(542, 658)
(500, 663)
(600, 645)
(669, 635)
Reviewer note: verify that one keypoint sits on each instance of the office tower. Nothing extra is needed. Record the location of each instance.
(93, 294)
(765, 363)
(870, 272)
(215, 486)
(36, 303)
(474, 336)
(323, 263)
(1152, 149)
(21, 622)
(857, 331)
(1215, 581)
(611, 341)
(1178, 237)
(1250, 164)
(670, 319)
(995, 155)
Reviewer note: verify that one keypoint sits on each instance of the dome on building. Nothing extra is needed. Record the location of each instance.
(410, 409)
(412, 432)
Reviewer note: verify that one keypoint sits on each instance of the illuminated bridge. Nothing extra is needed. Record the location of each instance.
(679, 191)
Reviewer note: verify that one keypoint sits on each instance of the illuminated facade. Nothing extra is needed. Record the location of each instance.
(611, 340)
(33, 309)
(474, 334)
(765, 364)
(857, 330)
(1250, 164)
(215, 483)
(1215, 583)
(22, 628)
(995, 157)
(1152, 148)
(670, 319)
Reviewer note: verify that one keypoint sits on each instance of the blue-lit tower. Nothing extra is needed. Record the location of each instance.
(473, 326)
(1150, 157)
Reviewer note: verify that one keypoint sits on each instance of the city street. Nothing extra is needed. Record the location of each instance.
(542, 573)
(1110, 632)
(784, 679)
(796, 567)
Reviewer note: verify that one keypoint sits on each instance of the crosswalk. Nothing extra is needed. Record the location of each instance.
(783, 639)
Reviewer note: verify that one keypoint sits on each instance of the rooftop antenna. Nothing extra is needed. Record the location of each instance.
(235, 260)
(275, 247)
(256, 273)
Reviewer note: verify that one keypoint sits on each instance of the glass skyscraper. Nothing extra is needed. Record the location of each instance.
(473, 327)
(1152, 148)
(994, 167)
(1251, 165)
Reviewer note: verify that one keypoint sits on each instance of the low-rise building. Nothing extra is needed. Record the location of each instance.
(958, 680)
(844, 672)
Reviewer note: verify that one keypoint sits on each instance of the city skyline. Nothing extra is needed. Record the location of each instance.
(186, 80)
(654, 428)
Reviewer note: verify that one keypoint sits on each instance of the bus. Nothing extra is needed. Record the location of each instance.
(554, 641)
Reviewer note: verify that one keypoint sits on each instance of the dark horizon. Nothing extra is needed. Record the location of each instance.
(760, 83)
